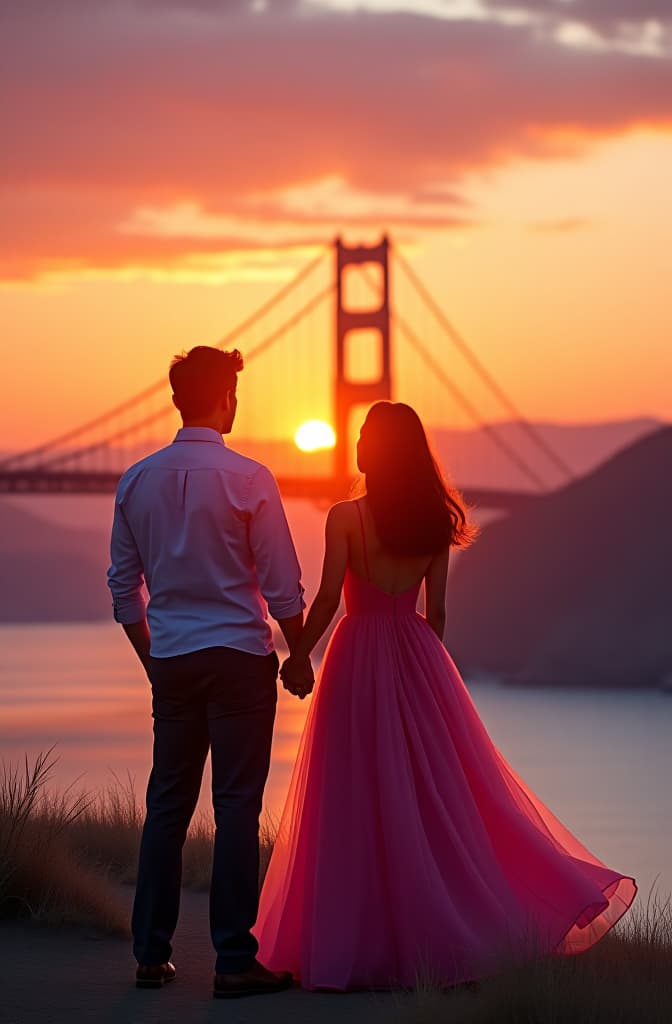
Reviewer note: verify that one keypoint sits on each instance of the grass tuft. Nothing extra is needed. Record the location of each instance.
(623, 979)
(62, 854)
(40, 874)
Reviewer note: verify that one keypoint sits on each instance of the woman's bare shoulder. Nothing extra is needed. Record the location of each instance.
(342, 513)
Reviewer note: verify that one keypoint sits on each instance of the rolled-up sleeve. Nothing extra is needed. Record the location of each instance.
(277, 565)
(125, 577)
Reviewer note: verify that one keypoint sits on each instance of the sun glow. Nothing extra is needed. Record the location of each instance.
(314, 435)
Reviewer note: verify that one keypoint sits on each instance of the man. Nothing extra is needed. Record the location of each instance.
(204, 528)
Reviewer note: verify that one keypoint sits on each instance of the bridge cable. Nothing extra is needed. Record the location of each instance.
(464, 402)
(79, 453)
(304, 311)
(153, 417)
(457, 394)
(141, 396)
(478, 367)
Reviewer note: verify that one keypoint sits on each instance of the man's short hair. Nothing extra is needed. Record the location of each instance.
(201, 377)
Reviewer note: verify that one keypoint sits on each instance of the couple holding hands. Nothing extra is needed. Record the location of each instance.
(408, 847)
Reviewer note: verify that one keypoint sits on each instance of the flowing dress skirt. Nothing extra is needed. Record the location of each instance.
(408, 848)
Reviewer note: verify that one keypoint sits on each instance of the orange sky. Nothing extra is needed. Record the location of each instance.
(170, 166)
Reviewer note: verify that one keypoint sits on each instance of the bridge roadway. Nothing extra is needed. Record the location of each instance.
(324, 488)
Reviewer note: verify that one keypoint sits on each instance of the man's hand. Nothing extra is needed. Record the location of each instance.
(297, 676)
(138, 634)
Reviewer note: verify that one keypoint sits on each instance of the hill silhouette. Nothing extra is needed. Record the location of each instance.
(51, 573)
(575, 588)
(473, 461)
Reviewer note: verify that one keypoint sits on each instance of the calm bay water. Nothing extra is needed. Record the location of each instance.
(602, 761)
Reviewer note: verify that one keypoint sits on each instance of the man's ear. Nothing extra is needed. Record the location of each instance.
(175, 403)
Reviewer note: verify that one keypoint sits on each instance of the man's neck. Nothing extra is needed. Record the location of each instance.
(210, 424)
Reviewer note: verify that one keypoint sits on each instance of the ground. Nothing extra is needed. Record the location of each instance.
(71, 976)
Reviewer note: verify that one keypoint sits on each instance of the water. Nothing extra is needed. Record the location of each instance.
(602, 761)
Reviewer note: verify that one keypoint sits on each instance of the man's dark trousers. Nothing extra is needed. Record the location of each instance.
(223, 699)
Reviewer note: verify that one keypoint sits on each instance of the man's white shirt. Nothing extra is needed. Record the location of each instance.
(204, 527)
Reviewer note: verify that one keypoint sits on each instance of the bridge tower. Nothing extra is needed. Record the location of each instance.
(348, 392)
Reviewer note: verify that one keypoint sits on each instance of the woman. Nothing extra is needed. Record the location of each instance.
(408, 847)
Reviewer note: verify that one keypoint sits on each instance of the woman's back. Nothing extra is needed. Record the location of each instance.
(393, 574)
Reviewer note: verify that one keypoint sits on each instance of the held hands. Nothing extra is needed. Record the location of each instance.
(297, 676)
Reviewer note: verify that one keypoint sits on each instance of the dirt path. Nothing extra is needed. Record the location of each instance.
(66, 976)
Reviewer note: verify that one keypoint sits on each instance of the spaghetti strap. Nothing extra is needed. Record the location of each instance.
(366, 556)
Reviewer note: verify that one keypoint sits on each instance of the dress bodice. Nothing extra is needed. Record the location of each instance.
(364, 598)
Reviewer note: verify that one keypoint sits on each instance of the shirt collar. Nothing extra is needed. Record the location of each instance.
(199, 434)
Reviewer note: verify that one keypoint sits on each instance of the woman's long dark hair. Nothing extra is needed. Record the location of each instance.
(414, 510)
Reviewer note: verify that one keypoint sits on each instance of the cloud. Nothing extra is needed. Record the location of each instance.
(596, 10)
(615, 20)
(114, 110)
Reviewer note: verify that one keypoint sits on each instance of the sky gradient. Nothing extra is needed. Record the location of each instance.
(167, 164)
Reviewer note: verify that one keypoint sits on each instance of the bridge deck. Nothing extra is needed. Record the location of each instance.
(311, 488)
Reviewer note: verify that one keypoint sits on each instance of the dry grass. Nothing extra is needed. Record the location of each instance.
(39, 871)
(625, 979)
(61, 854)
(107, 836)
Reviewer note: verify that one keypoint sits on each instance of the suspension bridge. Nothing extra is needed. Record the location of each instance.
(323, 340)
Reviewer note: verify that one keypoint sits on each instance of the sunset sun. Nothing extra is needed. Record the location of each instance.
(314, 435)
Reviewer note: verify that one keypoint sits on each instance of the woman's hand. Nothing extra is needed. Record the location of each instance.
(297, 676)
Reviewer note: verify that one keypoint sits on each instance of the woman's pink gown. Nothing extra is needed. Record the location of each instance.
(408, 848)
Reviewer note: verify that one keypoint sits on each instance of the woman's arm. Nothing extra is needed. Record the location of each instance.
(328, 596)
(435, 592)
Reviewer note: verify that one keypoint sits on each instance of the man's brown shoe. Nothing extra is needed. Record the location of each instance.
(154, 975)
(255, 981)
